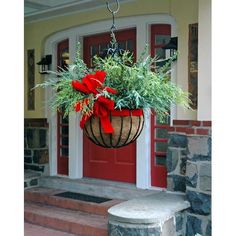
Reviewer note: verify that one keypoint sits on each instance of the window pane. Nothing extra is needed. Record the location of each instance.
(161, 146)
(160, 160)
(64, 152)
(64, 130)
(162, 133)
(122, 45)
(161, 40)
(64, 120)
(160, 53)
(130, 45)
(64, 141)
(93, 50)
(102, 48)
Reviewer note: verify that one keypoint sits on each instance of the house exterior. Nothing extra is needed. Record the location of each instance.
(174, 155)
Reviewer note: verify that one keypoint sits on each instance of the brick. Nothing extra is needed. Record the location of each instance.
(195, 123)
(171, 129)
(185, 130)
(206, 123)
(181, 122)
(202, 131)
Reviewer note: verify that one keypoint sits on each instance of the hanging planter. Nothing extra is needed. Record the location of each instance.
(113, 95)
(127, 126)
(106, 126)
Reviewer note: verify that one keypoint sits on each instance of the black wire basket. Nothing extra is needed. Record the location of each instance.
(127, 128)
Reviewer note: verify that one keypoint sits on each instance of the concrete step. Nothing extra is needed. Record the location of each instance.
(47, 196)
(70, 221)
(97, 187)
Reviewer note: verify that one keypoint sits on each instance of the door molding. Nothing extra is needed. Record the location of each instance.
(142, 24)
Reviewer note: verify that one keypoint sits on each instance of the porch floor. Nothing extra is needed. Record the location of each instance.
(96, 187)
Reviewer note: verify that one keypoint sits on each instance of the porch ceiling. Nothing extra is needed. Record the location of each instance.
(42, 9)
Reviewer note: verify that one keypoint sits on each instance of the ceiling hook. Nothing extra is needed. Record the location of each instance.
(118, 7)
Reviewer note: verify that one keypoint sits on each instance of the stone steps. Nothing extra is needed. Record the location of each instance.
(71, 216)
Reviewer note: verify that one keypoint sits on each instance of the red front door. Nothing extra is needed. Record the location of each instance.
(62, 122)
(118, 164)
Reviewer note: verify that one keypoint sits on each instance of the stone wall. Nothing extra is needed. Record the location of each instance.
(36, 156)
(189, 171)
(180, 222)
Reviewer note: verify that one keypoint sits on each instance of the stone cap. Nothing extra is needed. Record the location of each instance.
(154, 208)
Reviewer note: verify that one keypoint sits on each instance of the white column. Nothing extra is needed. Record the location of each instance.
(204, 60)
(51, 116)
(143, 170)
(75, 147)
(143, 174)
(75, 133)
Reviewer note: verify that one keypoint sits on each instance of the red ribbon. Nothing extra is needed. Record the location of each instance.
(127, 112)
(102, 106)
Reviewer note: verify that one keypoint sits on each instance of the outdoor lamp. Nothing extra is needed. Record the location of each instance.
(171, 47)
(44, 64)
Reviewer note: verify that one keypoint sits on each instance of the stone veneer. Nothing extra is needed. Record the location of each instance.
(189, 171)
(36, 156)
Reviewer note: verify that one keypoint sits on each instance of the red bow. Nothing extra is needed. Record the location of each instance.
(102, 106)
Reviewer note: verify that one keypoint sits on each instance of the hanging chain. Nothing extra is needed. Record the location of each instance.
(113, 27)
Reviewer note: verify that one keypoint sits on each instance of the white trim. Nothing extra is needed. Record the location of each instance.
(142, 24)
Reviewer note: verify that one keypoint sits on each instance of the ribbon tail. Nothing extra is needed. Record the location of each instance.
(83, 121)
(106, 125)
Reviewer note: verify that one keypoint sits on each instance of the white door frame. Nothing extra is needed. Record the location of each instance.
(143, 152)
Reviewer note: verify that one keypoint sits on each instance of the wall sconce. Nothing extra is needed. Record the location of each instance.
(44, 64)
(171, 47)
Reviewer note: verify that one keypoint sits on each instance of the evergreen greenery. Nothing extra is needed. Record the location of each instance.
(139, 85)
